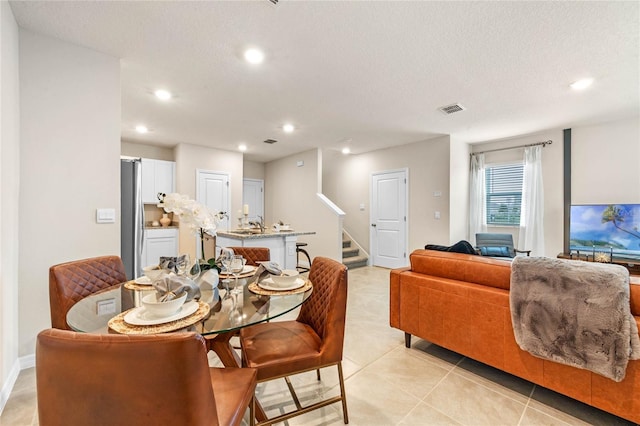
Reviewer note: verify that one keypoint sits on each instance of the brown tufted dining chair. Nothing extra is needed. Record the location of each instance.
(72, 281)
(253, 254)
(116, 379)
(313, 341)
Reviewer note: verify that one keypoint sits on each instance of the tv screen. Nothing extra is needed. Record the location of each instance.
(606, 227)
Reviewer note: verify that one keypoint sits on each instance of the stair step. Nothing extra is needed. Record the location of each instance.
(346, 243)
(355, 262)
(350, 252)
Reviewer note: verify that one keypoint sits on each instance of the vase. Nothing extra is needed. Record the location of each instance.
(165, 220)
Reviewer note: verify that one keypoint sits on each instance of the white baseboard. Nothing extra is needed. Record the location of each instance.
(27, 361)
(21, 363)
(7, 386)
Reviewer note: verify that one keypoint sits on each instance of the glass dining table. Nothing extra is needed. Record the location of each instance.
(224, 312)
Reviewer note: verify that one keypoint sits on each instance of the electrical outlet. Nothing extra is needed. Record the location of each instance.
(436, 215)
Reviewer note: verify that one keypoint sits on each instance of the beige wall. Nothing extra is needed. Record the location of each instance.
(552, 156)
(188, 159)
(291, 196)
(347, 180)
(458, 190)
(605, 163)
(10, 184)
(70, 151)
(134, 149)
(253, 170)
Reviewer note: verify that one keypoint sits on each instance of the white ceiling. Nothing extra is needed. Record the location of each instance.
(363, 74)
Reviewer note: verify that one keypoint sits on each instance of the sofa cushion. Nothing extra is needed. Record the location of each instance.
(495, 251)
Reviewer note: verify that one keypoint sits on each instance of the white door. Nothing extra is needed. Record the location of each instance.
(389, 219)
(212, 190)
(253, 196)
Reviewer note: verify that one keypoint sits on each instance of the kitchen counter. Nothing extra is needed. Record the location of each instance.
(282, 244)
(252, 234)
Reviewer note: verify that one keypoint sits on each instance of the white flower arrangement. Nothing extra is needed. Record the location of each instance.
(192, 213)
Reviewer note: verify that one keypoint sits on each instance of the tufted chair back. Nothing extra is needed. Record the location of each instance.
(253, 254)
(325, 311)
(72, 281)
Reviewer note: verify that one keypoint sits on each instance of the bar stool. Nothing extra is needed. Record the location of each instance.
(299, 250)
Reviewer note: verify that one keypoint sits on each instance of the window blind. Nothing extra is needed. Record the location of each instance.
(504, 193)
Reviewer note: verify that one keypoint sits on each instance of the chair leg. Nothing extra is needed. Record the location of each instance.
(293, 393)
(318, 374)
(252, 411)
(343, 394)
(263, 420)
(303, 251)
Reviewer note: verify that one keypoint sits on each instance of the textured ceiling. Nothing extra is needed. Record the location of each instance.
(363, 74)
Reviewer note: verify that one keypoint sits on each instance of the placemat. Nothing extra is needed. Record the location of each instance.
(118, 324)
(132, 285)
(255, 288)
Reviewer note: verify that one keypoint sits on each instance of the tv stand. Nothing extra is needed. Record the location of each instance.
(632, 265)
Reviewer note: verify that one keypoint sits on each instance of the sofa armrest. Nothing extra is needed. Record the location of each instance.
(394, 296)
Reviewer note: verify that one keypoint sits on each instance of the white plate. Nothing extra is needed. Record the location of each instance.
(245, 270)
(143, 280)
(267, 284)
(139, 315)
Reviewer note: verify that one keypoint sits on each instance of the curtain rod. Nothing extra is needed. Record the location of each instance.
(545, 143)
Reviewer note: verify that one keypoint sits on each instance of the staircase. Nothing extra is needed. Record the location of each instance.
(351, 256)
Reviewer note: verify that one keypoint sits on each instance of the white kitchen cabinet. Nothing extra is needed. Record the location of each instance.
(157, 176)
(157, 243)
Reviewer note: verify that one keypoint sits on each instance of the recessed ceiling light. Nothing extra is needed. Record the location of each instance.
(141, 128)
(346, 150)
(581, 84)
(242, 147)
(254, 56)
(163, 95)
(288, 128)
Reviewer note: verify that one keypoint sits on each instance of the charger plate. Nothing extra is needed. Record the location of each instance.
(247, 271)
(255, 288)
(118, 324)
(132, 285)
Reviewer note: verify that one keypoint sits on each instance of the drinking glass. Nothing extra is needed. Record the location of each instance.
(182, 264)
(225, 258)
(236, 266)
(195, 270)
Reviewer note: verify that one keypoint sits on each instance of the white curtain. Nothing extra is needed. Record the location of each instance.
(477, 198)
(531, 216)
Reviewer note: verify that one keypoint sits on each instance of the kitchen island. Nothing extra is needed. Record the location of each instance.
(282, 244)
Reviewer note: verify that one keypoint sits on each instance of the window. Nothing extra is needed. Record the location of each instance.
(504, 193)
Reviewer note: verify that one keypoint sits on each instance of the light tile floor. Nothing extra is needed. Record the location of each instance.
(388, 384)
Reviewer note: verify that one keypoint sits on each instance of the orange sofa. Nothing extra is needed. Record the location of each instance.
(461, 302)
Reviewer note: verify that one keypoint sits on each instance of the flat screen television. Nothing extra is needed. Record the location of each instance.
(606, 227)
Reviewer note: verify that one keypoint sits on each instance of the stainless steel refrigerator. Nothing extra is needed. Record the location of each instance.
(132, 216)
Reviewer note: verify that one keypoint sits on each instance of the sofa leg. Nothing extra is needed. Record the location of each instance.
(407, 340)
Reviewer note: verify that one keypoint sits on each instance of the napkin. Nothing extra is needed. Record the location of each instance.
(171, 263)
(265, 269)
(171, 286)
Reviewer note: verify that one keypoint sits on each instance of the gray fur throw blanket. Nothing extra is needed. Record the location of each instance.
(574, 313)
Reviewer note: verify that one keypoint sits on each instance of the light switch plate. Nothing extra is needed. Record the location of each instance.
(106, 215)
(106, 307)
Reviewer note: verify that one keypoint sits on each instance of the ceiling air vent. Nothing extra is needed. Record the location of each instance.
(450, 109)
(270, 141)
